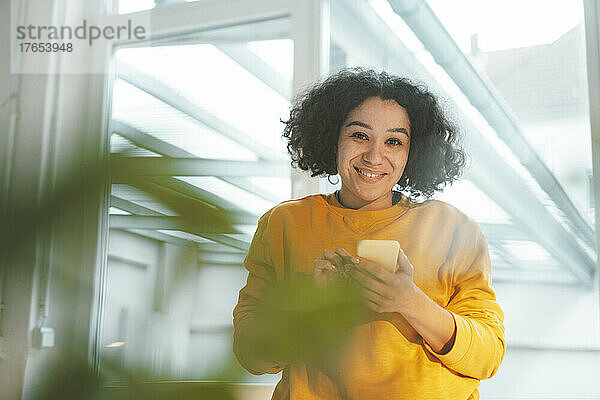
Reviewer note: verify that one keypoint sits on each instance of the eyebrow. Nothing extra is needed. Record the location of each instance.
(367, 126)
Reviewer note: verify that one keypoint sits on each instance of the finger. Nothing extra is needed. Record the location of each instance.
(334, 258)
(347, 257)
(372, 305)
(321, 264)
(374, 297)
(323, 271)
(368, 282)
(374, 269)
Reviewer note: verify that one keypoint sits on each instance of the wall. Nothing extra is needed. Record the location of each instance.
(553, 338)
(57, 135)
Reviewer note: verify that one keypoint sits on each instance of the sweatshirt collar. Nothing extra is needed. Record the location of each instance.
(374, 215)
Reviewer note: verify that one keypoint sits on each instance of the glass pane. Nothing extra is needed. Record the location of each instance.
(135, 109)
(210, 96)
(248, 201)
(129, 6)
(468, 198)
(360, 47)
(192, 73)
(538, 67)
(118, 144)
(541, 81)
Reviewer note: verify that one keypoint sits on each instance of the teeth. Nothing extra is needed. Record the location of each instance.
(367, 174)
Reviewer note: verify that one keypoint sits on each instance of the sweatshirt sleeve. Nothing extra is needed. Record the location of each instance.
(479, 344)
(261, 273)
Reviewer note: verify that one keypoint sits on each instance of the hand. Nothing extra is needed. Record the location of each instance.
(330, 266)
(383, 290)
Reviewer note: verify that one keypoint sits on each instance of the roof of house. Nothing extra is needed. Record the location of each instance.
(541, 82)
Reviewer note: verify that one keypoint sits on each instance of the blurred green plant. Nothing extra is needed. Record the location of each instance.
(300, 322)
(297, 322)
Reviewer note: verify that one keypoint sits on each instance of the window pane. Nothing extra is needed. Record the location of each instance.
(129, 6)
(538, 67)
(215, 97)
(540, 85)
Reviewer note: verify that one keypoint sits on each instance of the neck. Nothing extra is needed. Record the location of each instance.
(378, 204)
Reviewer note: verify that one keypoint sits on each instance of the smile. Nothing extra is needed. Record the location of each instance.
(368, 174)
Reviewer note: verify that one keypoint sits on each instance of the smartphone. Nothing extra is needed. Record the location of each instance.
(383, 252)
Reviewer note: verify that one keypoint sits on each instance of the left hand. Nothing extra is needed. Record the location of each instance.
(383, 290)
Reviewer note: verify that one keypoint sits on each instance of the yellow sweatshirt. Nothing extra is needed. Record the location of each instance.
(386, 357)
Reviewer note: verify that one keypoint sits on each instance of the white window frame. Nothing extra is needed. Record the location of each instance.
(309, 21)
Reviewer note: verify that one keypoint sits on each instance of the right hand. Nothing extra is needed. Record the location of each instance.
(328, 266)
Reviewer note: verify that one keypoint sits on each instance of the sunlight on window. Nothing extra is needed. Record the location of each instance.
(184, 235)
(118, 144)
(210, 80)
(279, 189)
(537, 68)
(507, 24)
(530, 253)
(467, 197)
(279, 54)
(230, 193)
(117, 211)
(139, 197)
(138, 109)
(397, 25)
(129, 6)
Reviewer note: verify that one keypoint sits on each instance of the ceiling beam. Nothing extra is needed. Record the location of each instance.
(149, 142)
(163, 237)
(205, 257)
(168, 95)
(560, 278)
(163, 222)
(175, 187)
(268, 19)
(125, 167)
(498, 181)
(503, 231)
(229, 241)
(145, 211)
(252, 63)
(132, 207)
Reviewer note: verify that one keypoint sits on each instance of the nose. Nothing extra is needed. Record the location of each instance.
(373, 155)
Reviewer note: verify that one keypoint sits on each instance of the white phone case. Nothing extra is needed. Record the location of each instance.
(383, 252)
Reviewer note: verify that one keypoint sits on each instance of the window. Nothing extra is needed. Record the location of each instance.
(199, 114)
(513, 106)
(196, 113)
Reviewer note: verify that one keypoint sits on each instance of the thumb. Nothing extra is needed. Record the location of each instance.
(404, 264)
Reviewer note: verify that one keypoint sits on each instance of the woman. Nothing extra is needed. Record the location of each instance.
(435, 329)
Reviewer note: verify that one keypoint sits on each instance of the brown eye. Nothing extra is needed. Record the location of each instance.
(395, 142)
(360, 135)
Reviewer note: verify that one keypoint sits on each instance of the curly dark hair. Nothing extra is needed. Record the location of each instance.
(316, 116)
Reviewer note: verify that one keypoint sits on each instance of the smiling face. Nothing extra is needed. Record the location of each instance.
(372, 152)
